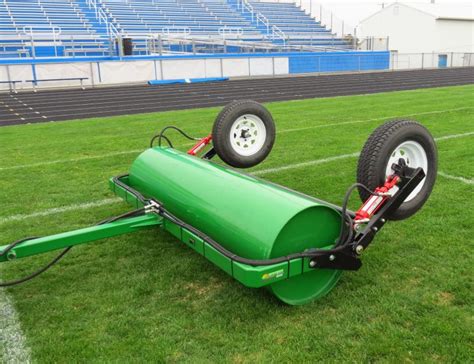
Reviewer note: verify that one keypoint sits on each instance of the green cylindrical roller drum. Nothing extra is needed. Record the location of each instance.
(249, 217)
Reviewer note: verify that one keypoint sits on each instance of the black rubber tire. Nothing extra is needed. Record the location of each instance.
(376, 153)
(222, 127)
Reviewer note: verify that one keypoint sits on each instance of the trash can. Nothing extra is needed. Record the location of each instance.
(127, 46)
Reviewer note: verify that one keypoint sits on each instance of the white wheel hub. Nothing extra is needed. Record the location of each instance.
(247, 135)
(415, 156)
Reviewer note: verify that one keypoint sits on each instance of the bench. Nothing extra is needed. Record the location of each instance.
(12, 85)
(80, 79)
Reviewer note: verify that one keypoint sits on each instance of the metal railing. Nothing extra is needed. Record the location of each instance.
(29, 44)
(176, 30)
(51, 32)
(42, 36)
(327, 18)
(403, 61)
(373, 44)
(273, 32)
(159, 44)
(231, 31)
(103, 18)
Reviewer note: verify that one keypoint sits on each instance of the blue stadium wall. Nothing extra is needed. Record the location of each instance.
(338, 62)
(138, 69)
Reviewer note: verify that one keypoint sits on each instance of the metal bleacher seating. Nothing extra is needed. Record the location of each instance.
(41, 28)
(46, 28)
(299, 27)
(205, 18)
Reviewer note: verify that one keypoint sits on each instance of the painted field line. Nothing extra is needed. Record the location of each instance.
(454, 136)
(467, 181)
(59, 210)
(376, 119)
(12, 339)
(304, 164)
(72, 160)
(108, 201)
(343, 156)
(80, 159)
(134, 151)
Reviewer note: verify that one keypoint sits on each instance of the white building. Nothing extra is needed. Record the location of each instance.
(416, 28)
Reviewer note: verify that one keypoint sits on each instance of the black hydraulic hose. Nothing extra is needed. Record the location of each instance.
(135, 193)
(15, 282)
(39, 271)
(253, 262)
(340, 245)
(161, 135)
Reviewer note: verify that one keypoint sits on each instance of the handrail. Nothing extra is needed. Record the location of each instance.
(112, 30)
(273, 31)
(52, 29)
(230, 30)
(102, 17)
(176, 30)
(224, 42)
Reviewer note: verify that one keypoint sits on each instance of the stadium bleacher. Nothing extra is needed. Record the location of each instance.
(298, 27)
(48, 28)
(189, 17)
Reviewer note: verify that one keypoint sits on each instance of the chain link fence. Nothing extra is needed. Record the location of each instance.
(404, 61)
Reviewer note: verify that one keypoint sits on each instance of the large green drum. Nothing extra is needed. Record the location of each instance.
(250, 217)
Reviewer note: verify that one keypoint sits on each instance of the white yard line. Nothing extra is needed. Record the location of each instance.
(59, 210)
(376, 119)
(454, 136)
(134, 151)
(72, 160)
(467, 181)
(304, 164)
(343, 156)
(12, 339)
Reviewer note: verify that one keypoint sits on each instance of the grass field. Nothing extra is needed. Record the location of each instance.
(147, 298)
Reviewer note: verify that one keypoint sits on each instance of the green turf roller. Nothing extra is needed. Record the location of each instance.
(248, 216)
(260, 233)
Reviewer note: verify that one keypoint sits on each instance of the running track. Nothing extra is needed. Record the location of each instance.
(56, 105)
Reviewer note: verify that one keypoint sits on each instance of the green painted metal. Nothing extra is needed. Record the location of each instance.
(251, 276)
(76, 237)
(128, 197)
(248, 216)
(253, 218)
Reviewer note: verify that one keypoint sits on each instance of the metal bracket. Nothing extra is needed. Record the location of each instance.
(209, 154)
(346, 257)
(152, 207)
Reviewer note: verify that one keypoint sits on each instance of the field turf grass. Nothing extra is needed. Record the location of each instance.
(147, 298)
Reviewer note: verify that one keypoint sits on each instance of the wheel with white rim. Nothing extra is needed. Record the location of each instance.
(390, 142)
(243, 133)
